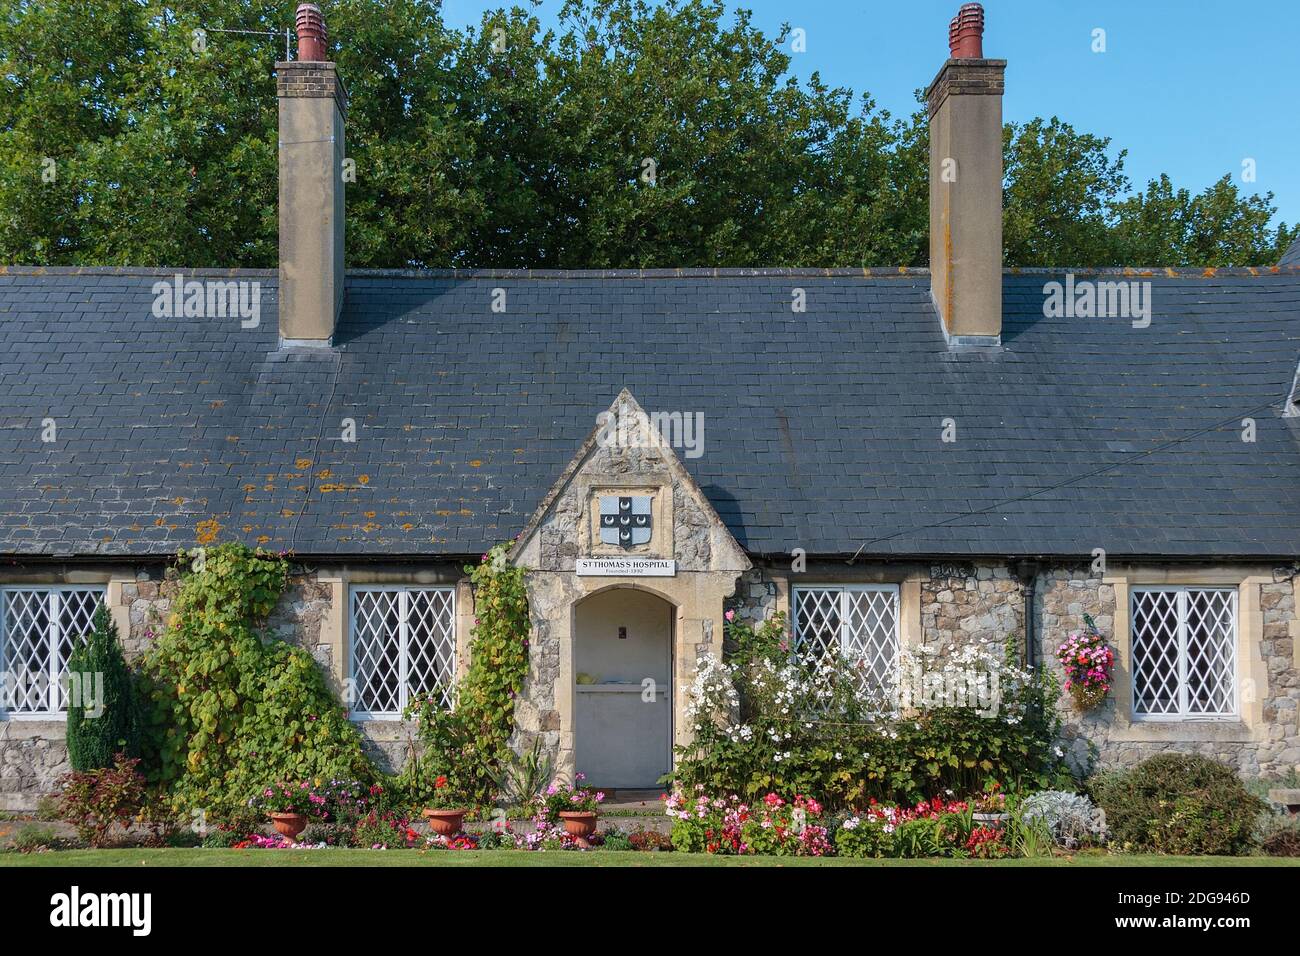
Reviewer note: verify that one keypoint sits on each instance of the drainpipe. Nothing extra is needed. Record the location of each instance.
(1028, 572)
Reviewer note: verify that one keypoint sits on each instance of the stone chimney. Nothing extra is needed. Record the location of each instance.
(965, 102)
(313, 104)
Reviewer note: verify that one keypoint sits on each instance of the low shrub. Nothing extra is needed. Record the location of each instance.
(615, 839)
(331, 834)
(1070, 818)
(34, 839)
(1178, 804)
(383, 830)
(1279, 835)
(650, 841)
(222, 839)
(96, 801)
(96, 734)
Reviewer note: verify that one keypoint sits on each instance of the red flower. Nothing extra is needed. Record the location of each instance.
(440, 782)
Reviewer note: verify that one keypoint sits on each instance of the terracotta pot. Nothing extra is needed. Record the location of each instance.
(445, 822)
(289, 825)
(579, 823)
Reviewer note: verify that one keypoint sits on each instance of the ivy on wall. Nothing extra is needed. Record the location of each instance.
(469, 743)
(225, 711)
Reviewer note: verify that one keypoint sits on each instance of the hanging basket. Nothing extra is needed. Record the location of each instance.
(1087, 698)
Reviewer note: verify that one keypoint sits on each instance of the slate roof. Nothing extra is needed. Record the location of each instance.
(822, 429)
(1292, 255)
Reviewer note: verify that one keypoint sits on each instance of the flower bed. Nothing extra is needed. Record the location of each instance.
(940, 827)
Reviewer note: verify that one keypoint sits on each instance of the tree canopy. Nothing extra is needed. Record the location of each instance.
(631, 135)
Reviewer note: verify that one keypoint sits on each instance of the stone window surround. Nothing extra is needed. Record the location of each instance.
(54, 726)
(405, 592)
(336, 625)
(1252, 676)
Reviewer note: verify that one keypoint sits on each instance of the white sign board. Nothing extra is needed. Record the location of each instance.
(626, 567)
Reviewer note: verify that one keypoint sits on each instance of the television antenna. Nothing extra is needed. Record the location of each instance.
(288, 36)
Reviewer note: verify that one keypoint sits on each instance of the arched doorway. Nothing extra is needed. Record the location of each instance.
(622, 694)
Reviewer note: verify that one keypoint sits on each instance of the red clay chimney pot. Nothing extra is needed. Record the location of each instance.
(966, 33)
(311, 33)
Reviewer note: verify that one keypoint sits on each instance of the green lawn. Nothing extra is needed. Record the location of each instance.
(137, 857)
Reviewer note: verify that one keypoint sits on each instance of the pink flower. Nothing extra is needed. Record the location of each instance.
(730, 615)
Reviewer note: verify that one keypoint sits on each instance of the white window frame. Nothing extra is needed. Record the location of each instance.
(403, 659)
(1184, 713)
(845, 590)
(53, 636)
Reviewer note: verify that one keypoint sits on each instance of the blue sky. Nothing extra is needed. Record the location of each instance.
(1188, 87)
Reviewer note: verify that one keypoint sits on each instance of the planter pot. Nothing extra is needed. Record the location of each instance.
(995, 821)
(579, 824)
(445, 822)
(289, 825)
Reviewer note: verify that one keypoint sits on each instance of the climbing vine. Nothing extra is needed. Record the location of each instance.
(226, 711)
(469, 743)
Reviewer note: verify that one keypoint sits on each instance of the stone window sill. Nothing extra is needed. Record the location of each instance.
(1184, 731)
(19, 727)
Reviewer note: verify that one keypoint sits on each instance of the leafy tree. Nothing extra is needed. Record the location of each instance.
(1217, 227)
(507, 145)
(1060, 185)
(108, 726)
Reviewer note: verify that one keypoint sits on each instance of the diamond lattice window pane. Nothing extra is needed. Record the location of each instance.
(35, 654)
(431, 643)
(870, 635)
(859, 623)
(376, 651)
(76, 619)
(27, 651)
(817, 621)
(1211, 652)
(1155, 652)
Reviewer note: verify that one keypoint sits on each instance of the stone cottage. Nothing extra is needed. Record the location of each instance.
(893, 458)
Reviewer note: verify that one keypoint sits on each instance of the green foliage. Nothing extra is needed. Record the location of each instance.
(1278, 834)
(110, 727)
(383, 829)
(523, 776)
(790, 732)
(531, 156)
(35, 839)
(228, 712)
(96, 801)
(468, 743)
(222, 839)
(1180, 804)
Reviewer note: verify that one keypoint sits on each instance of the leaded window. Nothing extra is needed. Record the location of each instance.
(857, 621)
(39, 628)
(403, 643)
(1184, 652)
